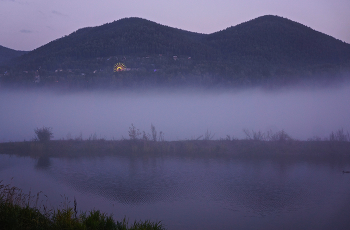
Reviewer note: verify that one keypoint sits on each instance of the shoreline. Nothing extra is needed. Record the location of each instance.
(189, 148)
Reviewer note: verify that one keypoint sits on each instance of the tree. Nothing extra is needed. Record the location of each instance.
(154, 133)
(43, 134)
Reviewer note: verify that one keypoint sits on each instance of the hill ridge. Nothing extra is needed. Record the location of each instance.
(6, 54)
(267, 48)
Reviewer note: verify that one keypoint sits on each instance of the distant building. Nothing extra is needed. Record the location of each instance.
(119, 67)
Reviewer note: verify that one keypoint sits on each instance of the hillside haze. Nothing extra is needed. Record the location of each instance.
(265, 49)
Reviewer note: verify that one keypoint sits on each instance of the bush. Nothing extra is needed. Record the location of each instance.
(339, 135)
(43, 134)
(134, 133)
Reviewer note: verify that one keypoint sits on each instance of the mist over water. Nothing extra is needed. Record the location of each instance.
(180, 114)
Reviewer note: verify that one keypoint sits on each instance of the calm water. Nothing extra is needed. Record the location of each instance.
(193, 193)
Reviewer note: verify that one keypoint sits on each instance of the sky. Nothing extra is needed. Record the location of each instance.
(29, 24)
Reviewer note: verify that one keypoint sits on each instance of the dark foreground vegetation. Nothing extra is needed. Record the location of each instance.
(19, 211)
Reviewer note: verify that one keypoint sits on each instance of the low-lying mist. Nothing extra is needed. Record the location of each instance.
(180, 114)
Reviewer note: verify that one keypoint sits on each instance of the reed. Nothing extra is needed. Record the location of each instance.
(19, 211)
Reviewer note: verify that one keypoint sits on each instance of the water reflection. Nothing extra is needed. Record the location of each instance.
(128, 181)
(199, 193)
(261, 186)
(263, 189)
(43, 163)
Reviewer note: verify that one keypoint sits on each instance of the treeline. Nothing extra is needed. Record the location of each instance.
(45, 134)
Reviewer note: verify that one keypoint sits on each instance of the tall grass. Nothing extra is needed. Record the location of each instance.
(268, 136)
(45, 134)
(19, 211)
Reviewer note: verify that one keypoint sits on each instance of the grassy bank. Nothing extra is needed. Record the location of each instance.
(256, 144)
(188, 148)
(23, 212)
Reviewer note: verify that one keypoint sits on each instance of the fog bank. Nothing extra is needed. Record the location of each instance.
(179, 114)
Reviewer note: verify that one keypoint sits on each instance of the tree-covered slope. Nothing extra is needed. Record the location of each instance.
(7, 54)
(263, 50)
(275, 41)
(128, 36)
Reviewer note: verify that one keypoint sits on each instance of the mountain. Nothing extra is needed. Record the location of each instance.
(275, 41)
(128, 36)
(265, 49)
(7, 54)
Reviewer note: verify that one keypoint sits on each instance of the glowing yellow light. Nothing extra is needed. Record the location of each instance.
(119, 67)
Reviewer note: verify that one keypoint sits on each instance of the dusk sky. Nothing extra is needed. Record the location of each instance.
(28, 24)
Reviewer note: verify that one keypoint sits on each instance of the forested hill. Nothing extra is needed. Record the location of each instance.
(127, 37)
(276, 41)
(265, 49)
(7, 54)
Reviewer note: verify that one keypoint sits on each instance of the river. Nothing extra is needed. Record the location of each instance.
(192, 192)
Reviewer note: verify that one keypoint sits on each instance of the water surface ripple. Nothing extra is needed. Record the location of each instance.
(194, 193)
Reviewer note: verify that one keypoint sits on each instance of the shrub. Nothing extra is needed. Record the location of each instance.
(339, 135)
(278, 136)
(134, 133)
(43, 134)
(256, 136)
(97, 220)
(269, 136)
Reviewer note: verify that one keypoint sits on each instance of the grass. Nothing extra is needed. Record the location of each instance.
(325, 152)
(77, 148)
(21, 211)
